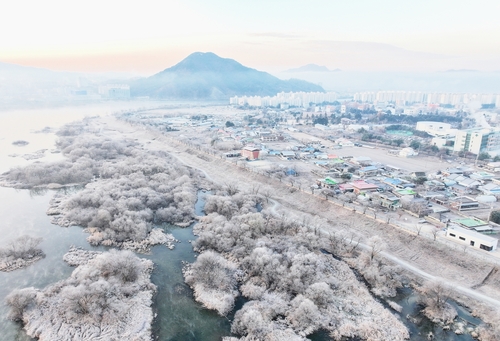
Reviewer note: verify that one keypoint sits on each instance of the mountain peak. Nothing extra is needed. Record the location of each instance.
(204, 75)
(206, 61)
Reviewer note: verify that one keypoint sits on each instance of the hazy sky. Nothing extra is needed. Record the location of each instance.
(148, 36)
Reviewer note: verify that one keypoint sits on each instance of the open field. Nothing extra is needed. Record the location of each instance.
(418, 163)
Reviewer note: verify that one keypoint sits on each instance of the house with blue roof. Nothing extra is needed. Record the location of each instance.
(490, 189)
(368, 171)
(394, 182)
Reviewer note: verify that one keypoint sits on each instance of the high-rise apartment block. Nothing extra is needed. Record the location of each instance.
(477, 140)
(297, 99)
(413, 97)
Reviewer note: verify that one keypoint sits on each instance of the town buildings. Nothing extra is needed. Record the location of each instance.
(414, 97)
(477, 140)
(115, 91)
(297, 99)
(471, 238)
(250, 153)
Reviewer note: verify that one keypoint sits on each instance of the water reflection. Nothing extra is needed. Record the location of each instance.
(23, 213)
(179, 317)
(420, 326)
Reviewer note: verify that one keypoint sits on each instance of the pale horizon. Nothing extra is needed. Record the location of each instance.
(387, 35)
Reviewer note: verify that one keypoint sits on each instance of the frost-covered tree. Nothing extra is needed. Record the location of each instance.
(292, 287)
(126, 190)
(434, 295)
(107, 297)
(18, 300)
(24, 247)
(213, 279)
(490, 328)
(20, 252)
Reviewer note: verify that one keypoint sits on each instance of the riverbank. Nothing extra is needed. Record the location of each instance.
(20, 253)
(8, 265)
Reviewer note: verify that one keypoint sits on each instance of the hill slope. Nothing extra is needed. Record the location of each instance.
(208, 76)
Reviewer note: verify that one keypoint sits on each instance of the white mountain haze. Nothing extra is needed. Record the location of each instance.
(311, 68)
(27, 86)
(444, 81)
(208, 76)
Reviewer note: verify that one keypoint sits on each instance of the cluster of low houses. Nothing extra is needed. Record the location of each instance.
(312, 151)
(425, 195)
(459, 189)
(250, 135)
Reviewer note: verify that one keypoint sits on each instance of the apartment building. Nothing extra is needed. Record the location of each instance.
(477, 140)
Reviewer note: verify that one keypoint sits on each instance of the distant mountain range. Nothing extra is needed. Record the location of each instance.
(208, 76)
(311, 68)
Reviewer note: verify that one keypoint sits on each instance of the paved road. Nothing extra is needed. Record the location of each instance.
(464, 290)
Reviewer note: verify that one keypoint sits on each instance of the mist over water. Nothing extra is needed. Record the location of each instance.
(27, 125)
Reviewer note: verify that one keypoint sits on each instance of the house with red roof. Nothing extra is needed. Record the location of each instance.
(361, 186)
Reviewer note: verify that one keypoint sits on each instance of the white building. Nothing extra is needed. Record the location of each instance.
(114, 91)
(409, 111)
(477, 140)
(285, 98)
(437, 129)
(413, 97)
(471, 238)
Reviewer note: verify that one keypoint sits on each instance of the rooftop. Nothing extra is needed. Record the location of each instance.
(368, 168)
(251, 148)
(392, 181)
(361, 184)
(473, 234)
(330, 181)
(471, 222)
(406, 191)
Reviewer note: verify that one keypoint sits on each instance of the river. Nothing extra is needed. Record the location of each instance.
(22, 212)
(179, 317)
